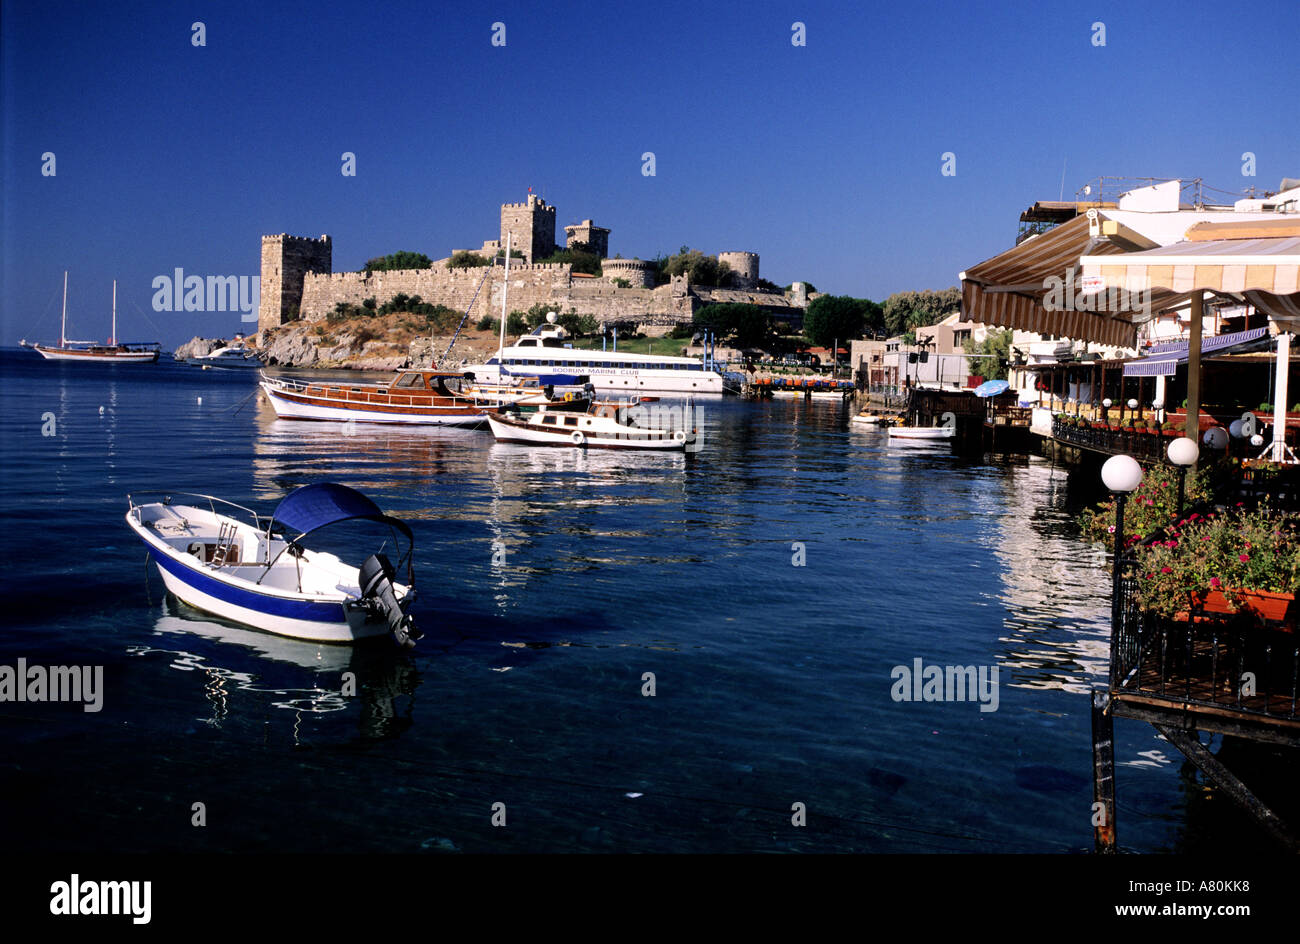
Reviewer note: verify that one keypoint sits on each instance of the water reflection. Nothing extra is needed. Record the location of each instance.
(1055, 590)
(295, 675)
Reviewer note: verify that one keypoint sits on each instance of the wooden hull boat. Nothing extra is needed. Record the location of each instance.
(413, 396)
(114, 352)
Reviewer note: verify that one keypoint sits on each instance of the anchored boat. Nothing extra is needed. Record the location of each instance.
(234, 357)
(413, 396)
(237, 564)
(116, 352)
(606, 425)
(921, 434)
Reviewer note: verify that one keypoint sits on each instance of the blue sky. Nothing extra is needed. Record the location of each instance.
(824, 159)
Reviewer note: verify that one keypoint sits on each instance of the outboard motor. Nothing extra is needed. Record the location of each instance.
(376, 579)
(589, 389)
(549, 390)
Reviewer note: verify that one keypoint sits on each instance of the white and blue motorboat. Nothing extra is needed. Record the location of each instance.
(229, 561)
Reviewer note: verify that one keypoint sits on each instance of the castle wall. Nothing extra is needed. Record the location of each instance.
(530, 285)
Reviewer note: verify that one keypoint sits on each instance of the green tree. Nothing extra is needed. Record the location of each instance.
(837, 317)
(747, 325)
(905, 311)
(578, 256)
(398, 260)
(467, 260)
(701, 269)
(515, 324)
(997, 343)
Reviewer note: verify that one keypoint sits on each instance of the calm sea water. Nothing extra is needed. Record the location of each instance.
(770, 583)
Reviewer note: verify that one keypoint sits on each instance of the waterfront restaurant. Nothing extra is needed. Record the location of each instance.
(1041, 285)
(1209, 656)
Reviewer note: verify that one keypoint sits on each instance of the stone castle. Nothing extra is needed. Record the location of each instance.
(299, 283)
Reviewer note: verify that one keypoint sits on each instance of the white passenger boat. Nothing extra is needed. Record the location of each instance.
(606, 425)
(233, 357)
(241, 566)
(543, 354)
(921, 434)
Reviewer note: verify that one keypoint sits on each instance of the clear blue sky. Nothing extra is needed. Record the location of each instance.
(823, 159)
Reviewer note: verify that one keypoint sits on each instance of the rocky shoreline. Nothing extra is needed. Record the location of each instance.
(377, 343)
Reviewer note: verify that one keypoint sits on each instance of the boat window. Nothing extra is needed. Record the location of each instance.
(548, 421)
(409, 380)
(570, 421)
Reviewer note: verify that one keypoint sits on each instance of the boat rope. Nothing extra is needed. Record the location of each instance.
(240, 405)
(438, 362)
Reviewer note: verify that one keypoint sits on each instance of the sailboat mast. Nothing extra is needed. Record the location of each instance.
(112, 338)
(505, 286)
(63, 325)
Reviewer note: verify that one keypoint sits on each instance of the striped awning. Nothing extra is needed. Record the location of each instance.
(1263, 271)
(1165, 358)
(1008, 290)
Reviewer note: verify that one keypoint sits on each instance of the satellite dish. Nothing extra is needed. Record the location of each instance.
(550, 317)
(1087, 190)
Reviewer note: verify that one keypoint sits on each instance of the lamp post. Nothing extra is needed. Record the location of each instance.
(1216, 437)
(1105, 411)
(1183, 453)
(1122, 475)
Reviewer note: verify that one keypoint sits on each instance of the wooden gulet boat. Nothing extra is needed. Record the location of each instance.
(413, 396)
(113, 352)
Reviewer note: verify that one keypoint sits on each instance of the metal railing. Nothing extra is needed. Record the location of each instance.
(1235, 662)
(1140, 444)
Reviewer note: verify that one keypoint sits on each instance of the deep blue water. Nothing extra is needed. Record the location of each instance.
(772, 681)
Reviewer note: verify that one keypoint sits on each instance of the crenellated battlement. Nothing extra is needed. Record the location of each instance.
(298, 280)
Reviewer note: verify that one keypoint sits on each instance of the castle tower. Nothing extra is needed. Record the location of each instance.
(597, 237)
(533, 226)
(744, 265)
(636, 272)
(285, 260)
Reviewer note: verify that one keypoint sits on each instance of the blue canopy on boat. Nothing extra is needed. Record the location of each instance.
(314, 506)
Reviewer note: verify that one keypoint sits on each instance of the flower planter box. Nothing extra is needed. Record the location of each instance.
(1263, 604)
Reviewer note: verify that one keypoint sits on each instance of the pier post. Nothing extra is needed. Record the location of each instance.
(1103, 775)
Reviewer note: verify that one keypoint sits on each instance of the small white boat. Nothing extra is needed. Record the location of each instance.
(239, 565)
(869, 419)
(606, 425)
(233, 357)
(921, 434)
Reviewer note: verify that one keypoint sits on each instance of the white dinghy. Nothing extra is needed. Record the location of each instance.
(241, 566)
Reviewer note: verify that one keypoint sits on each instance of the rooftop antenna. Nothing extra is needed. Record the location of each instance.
(1061, 195)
